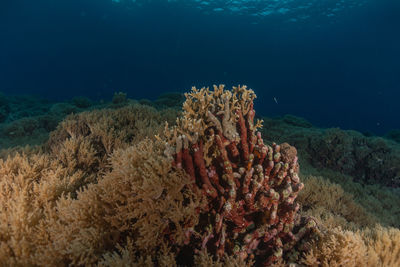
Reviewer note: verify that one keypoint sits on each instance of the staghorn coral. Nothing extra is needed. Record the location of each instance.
(250, 187)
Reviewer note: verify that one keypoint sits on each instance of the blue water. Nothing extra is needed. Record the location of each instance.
(336, 63)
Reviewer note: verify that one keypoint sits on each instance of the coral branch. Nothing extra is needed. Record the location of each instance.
(250, 187)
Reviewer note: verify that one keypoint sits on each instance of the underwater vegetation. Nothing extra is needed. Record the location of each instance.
(209, 184)
(29, 120)
(370, 159)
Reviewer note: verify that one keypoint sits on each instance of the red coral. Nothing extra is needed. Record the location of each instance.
(250, 189)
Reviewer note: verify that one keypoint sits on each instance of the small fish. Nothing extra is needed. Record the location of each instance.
(276, 100)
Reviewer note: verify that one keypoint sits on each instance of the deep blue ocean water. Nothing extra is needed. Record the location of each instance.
(335, 63)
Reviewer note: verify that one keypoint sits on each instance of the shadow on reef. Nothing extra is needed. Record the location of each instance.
(112, 185)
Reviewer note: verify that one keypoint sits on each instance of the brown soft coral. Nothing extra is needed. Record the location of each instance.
(372, 247)
(208, 192)
(32, 185)
(139, 200)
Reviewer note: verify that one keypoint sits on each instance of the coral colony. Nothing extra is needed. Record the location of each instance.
(207, 192)
(249, 187)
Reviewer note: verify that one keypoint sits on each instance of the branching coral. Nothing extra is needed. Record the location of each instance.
(371, 247)
(138, 200)
(250, 187)
(324, 199)
(208, 192)
(41, 220)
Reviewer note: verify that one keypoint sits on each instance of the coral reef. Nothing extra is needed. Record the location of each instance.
(324, 199)
(170, 100)
(371, 247)
(4, 108)
(114, 187)
(394, 135)
(29, 120)
(48, 194)
(119, 98)
(250, 187)
(367, 159)
(81, 102)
